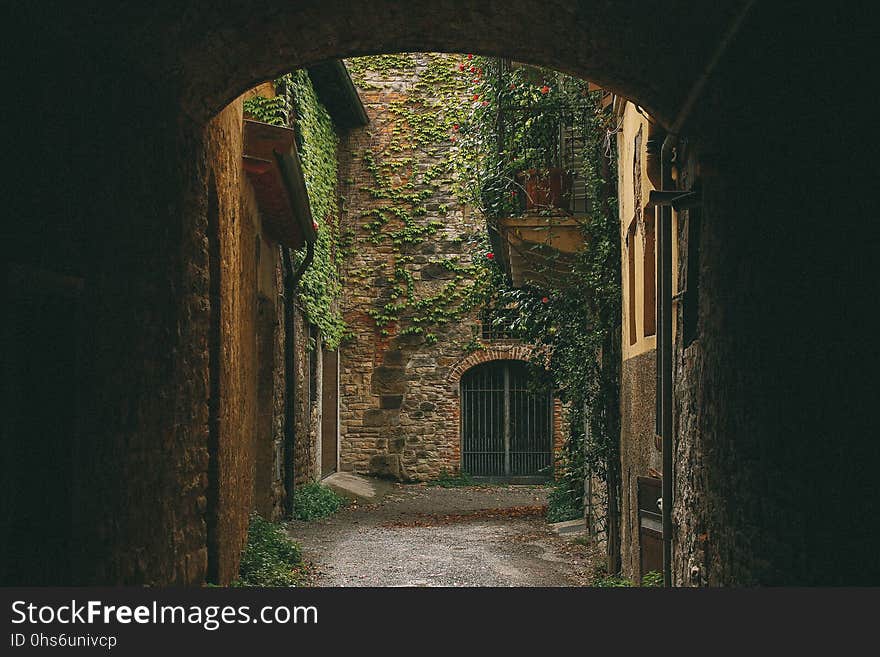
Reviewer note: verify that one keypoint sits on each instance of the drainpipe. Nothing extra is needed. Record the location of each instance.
(294, 182)
(664, 351)
(664, 237)
(291, 281)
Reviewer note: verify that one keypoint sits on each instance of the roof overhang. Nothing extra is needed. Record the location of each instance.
(337, 93)
(272, 165)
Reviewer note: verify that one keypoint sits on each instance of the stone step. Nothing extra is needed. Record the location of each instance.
(570, 527)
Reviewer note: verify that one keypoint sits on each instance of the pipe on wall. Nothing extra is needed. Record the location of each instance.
(664, 284)
(664, 351)
(291, 281)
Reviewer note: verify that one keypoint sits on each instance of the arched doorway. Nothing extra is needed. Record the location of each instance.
(506, 427)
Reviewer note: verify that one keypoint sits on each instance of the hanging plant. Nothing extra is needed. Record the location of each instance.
(513, 132)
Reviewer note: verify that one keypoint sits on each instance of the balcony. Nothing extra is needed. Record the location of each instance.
(538, 249)
(272, 166)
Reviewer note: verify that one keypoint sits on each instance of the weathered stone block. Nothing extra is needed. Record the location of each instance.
(380, 417)
(393, 357)
(436, 271)
(386, 466)
(388, 380)
(390, 401)
(409, 340)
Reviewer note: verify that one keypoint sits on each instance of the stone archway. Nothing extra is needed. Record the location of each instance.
(214, 55)
(125, 113)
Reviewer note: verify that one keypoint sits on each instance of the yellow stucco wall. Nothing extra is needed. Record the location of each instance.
(631, 120)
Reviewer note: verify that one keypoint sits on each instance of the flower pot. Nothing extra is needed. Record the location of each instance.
(545, 188)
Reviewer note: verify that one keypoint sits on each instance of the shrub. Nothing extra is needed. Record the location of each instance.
(270, 557)
(565, 500)
(613, 581)
(316, 501)
(653, 578)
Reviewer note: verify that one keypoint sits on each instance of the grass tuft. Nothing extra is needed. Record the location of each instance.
(315, 500)
(270, 557)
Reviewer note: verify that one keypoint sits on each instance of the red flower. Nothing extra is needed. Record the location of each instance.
(545, 89)
(544, 300)
(512, 86)
(315, 224)
(470, 56)
(455, 127)
(490, 256)
(485, 103)
(453, 139)
(513, 192)
(461, 67)
(476, 96)
(473, 69)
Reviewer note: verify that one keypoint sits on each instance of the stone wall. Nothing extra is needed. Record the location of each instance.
(307, 408)
(639, 454)
(399, 390)
(238, 342)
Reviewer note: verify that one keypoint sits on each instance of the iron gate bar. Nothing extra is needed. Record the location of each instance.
(506, 428)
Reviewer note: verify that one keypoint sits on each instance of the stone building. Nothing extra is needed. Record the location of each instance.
(262, 378)
(414, 331)
(638, 169)
(269, 351)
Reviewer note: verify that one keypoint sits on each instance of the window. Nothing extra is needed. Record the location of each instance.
(631, 279)
(495, 322)
(649, 279)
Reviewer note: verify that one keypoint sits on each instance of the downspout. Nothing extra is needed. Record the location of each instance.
(291, 281)
(664, 352)
(294, 181)
(664, 237)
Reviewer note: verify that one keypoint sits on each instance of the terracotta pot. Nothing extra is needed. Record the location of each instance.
(545, 188)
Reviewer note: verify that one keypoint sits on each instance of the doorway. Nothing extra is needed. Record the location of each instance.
(506, 427)
(330, 413)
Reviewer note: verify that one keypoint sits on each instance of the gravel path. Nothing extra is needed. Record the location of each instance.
(431, 536)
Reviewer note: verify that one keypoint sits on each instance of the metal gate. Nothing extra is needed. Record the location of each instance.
(506, 430)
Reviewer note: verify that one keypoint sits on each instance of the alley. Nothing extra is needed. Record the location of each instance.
(250, 247)
(431, 536)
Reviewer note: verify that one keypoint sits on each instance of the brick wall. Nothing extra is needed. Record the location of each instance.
(399, 392)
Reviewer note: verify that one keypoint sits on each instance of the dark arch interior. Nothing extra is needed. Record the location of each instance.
(110, 189)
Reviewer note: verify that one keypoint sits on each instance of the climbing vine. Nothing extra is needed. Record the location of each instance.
(572, 317)
(413, 179)
(296, 105)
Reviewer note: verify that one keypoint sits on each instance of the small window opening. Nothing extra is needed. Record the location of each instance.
(649, 277)
(631, 280)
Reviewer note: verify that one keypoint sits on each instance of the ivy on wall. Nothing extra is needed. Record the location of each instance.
(416, 168)
(296, 105)
(575, 321)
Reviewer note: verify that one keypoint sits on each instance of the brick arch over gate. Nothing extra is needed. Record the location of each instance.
(505, 352)
(519, 352)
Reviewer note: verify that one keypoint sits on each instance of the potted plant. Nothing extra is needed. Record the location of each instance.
(519, 115)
